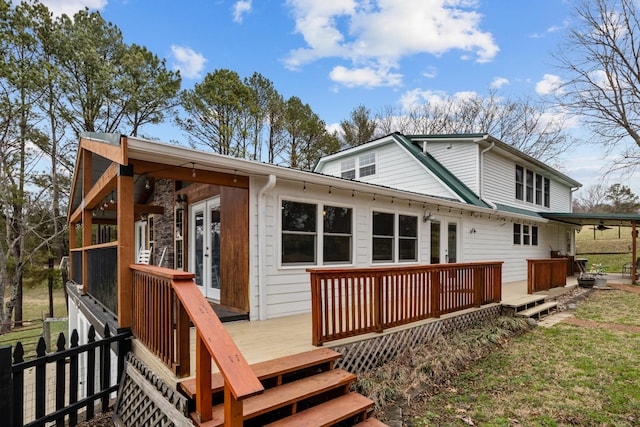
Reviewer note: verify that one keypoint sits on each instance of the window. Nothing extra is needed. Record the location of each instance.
(367, 164)
(298, 232)
(516, 233)
(383, 236)
(407, 238)
(547, 192)
(529, 186)
(527, 235)
(336, 245)
(348, 169)
(532, 187)
(519, 182)
(538, 189)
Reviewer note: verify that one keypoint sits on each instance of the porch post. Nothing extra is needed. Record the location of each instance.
(87, 216)
(126, 242)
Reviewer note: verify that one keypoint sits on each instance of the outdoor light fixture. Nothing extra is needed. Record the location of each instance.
(428, 216)
(181, 201)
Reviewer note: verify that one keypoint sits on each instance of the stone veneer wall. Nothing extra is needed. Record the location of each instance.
(163, 224)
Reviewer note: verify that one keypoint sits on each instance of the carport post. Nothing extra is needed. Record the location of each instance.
(634, 238)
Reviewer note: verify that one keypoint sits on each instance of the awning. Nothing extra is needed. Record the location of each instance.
(602, 220)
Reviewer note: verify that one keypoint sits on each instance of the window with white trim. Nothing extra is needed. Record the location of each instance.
(299, 232)
(367, 164)
(525, 235)
(337, 234)
(386, 237)
(532, 187)
(348, 169)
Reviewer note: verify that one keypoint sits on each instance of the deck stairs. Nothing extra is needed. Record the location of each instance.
(532, 306)
(303, 389)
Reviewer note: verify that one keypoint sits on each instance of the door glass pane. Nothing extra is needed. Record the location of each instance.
(435, 242)
(198, 236)
(215, 248)
(453, 242)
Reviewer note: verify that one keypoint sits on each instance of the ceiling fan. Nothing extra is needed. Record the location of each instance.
(601, 227)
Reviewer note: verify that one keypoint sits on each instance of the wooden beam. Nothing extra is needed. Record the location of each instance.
(185, 173)
(87, 160)
(115, 153)
(98, 191)
(126, 242)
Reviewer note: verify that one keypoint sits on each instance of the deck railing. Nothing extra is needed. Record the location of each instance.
(102, 268)
(546, 273)
(160, 297)
(356, 301)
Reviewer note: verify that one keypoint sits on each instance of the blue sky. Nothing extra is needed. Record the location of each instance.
(338, 54)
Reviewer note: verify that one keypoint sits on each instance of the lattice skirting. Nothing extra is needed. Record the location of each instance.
(144, 399)
(362, 356)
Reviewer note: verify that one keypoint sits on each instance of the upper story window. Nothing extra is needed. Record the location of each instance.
(367, 164)
(348, 169)
(532, 187)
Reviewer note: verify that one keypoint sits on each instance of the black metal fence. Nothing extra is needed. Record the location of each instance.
(58, 386)
(102, 280)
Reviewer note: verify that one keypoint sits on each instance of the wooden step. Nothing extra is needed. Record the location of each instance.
(539, 309)
(272, 372)
(329, 413)
(371, 422)
(288, 395)
(524, 301)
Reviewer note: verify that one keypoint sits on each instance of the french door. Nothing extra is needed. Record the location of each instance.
(444, 241)
(204, 259)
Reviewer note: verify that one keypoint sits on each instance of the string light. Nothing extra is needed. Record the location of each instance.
(329, 190)
(392, 200)
(235, 176)
(193, 169)
(147, 185)
(304, 186)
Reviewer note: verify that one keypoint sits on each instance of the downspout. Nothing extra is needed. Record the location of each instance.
(262, 269)
(481, 183)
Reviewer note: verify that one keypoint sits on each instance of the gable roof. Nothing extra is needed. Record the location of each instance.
(508, 150)
(452, 181)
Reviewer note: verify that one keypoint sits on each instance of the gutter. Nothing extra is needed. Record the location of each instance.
(482, 153)
(262, 285)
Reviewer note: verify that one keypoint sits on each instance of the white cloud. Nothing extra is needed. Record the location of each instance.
(189, 62)
(550, 84)
(498, 82)
(241, 8)
(416, 97)
(70, 7)
(377, 34)
(365, 77)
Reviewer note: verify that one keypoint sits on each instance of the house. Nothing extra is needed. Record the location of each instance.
(248, 230)
(465, 212)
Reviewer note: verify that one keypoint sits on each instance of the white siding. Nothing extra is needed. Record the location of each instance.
(395, 168)
(499, 186)
(287, 287)
(460, 158)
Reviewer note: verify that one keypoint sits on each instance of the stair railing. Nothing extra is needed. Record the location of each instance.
(160, 297)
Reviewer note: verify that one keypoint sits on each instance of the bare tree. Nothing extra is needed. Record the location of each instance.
(600, 59)
(594, 199)
(520, 123)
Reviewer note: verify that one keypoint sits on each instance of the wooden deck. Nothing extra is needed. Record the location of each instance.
(269, 339)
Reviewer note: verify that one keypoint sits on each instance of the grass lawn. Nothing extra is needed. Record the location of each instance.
(35, 308)
(557, 376)
(611, 248)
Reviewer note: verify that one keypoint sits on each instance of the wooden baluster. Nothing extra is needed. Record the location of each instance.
(203, 380)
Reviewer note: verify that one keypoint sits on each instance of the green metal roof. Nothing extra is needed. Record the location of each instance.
(455, 184)
(607, 219)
